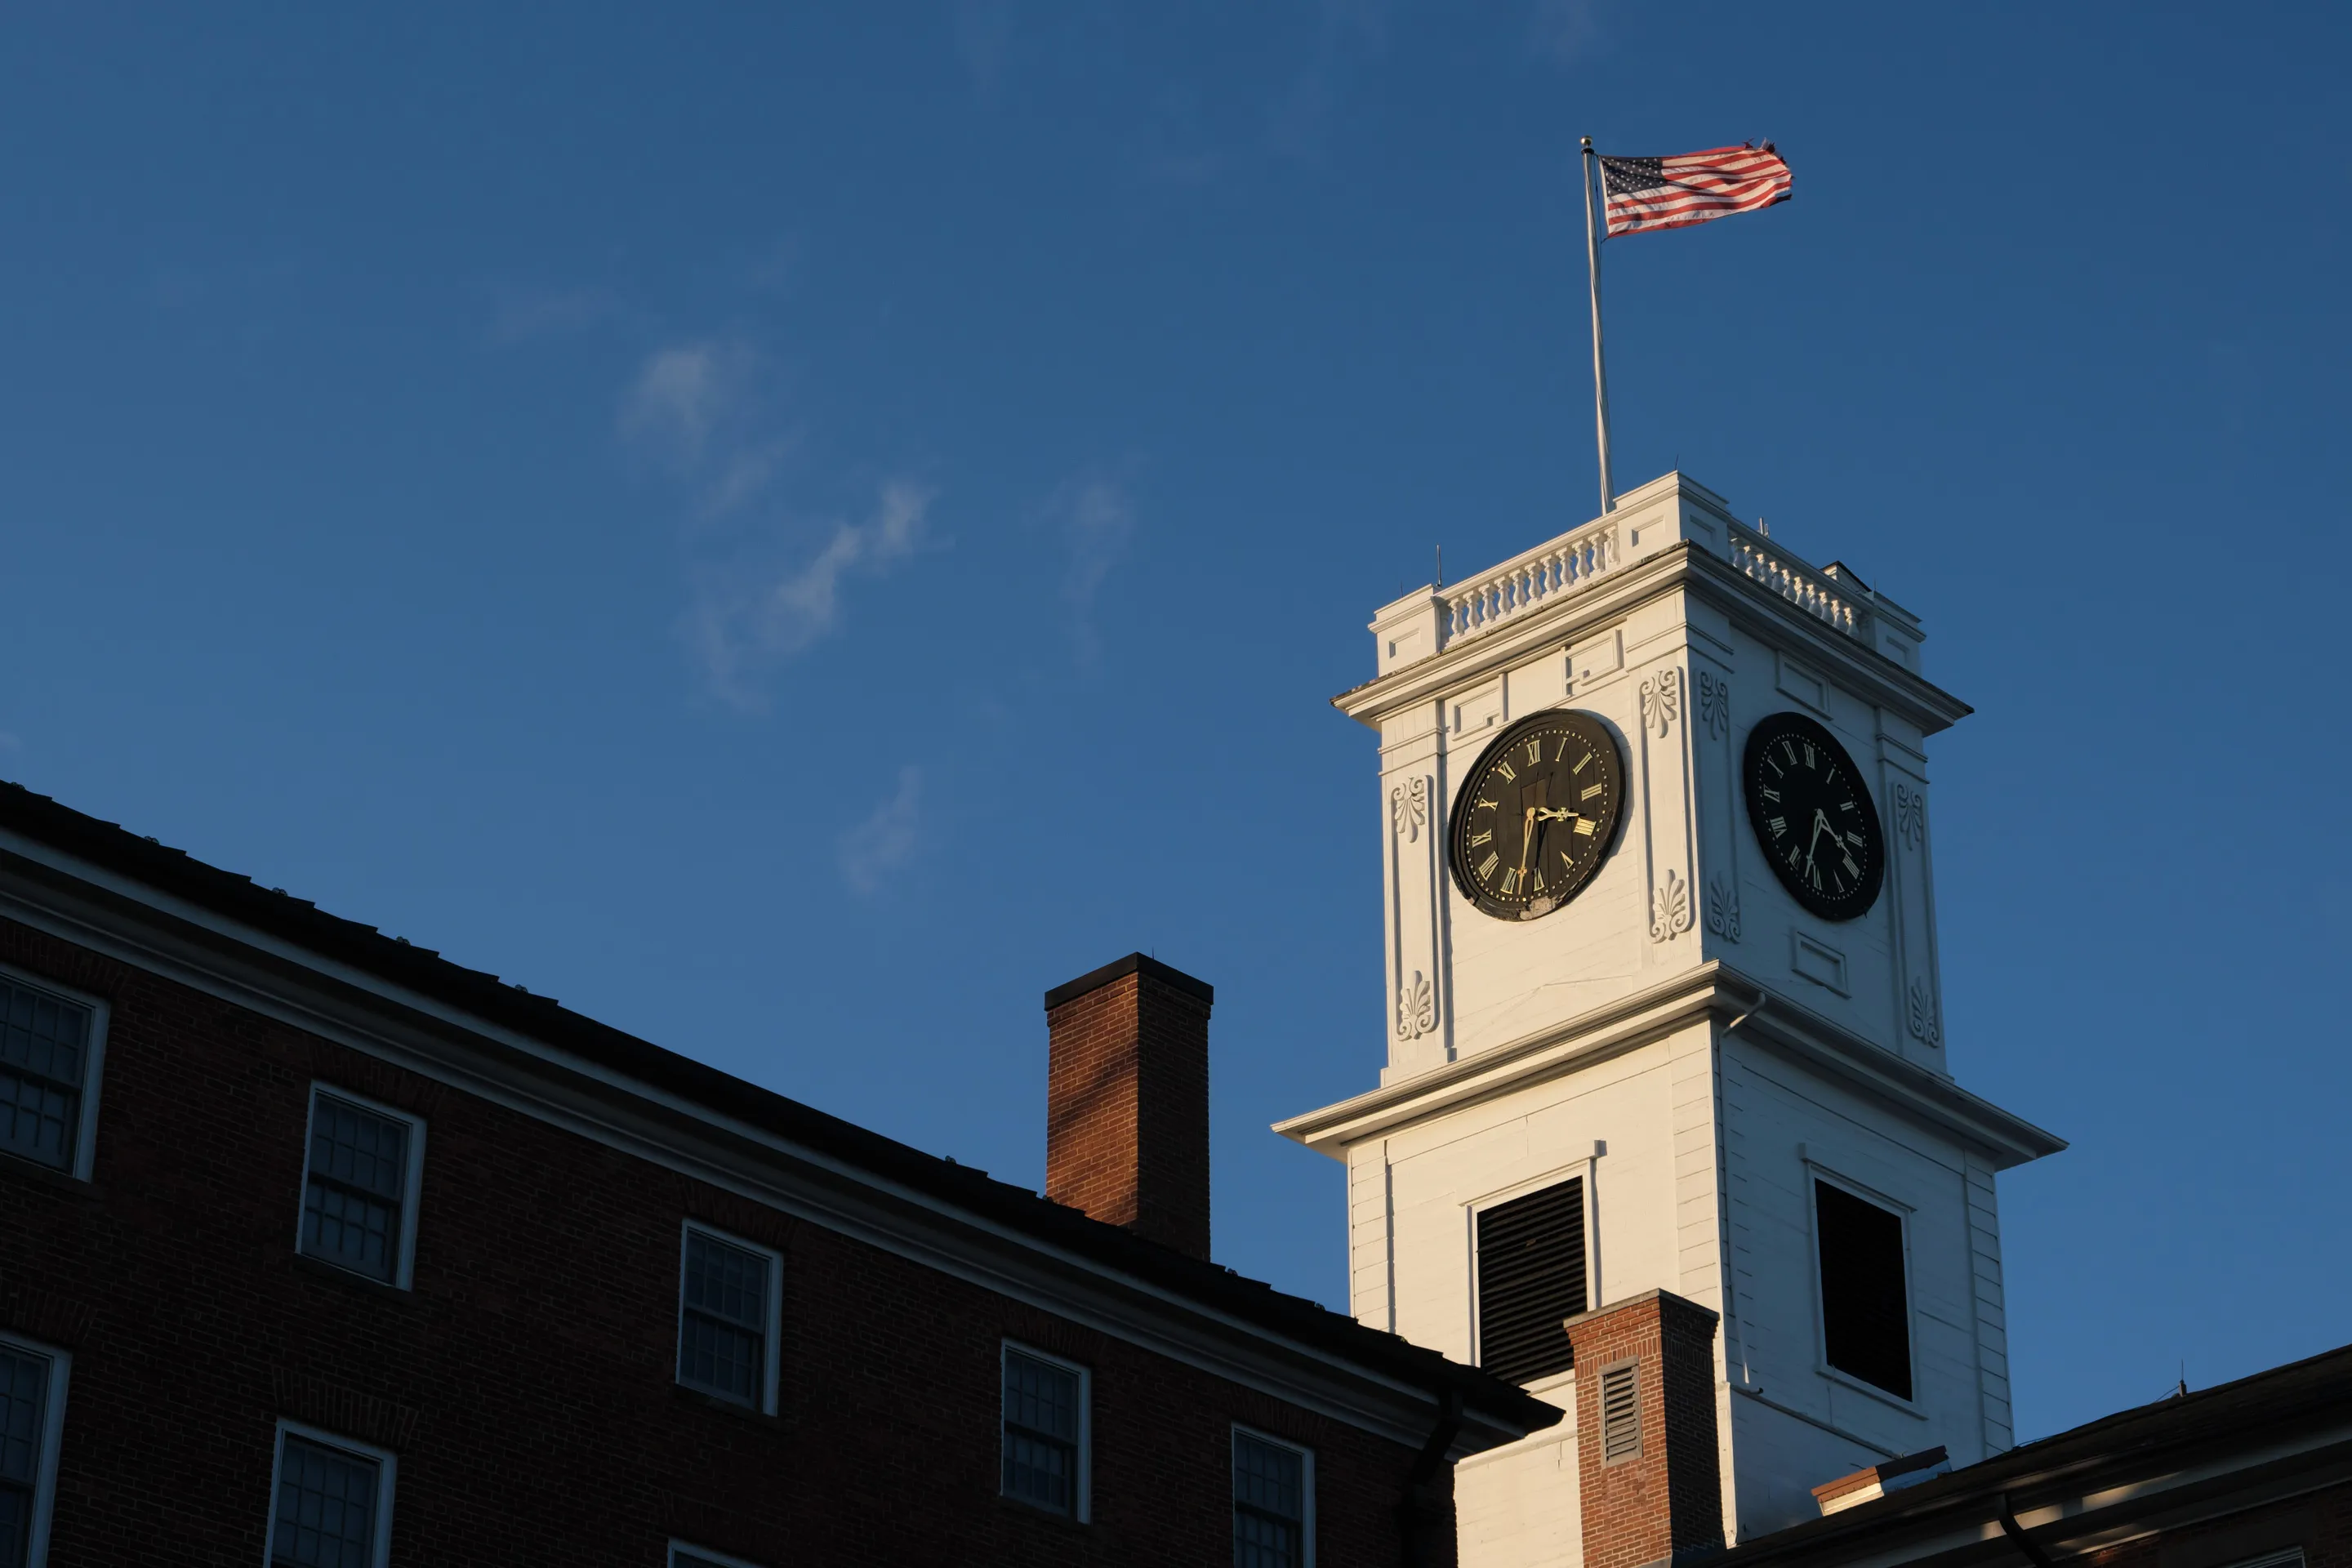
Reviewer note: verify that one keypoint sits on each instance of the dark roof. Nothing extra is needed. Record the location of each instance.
(421, 969)
(2146, 1440)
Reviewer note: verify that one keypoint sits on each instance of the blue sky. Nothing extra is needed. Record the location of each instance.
(795, 529)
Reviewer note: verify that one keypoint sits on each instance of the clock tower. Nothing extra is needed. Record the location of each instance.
(1702, 1067)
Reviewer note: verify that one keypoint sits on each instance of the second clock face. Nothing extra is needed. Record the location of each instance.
(1813, 816)
(1537, 816)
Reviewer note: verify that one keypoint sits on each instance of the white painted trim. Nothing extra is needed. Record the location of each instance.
(701, 1554)
(93, 1063)
(1574, 1169)
(1070, 1285)
(1306, 1481)
(387, 1470)
(1815, 1171)
(771, 1333)
(1083, 1510)
(412, 1176)
(45, 1449)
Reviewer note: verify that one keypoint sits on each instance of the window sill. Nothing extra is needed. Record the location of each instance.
(696, 1397)
(1885, 1396)
(320, 1268)
(49, 1176)
(1027, 1509)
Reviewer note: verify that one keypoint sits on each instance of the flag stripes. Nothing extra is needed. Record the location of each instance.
(1693, 187)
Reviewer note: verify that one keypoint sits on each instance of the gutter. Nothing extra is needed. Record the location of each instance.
(1424, 1505)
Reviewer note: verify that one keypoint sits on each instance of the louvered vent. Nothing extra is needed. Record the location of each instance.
(1621, 1413)
(1530, 1276)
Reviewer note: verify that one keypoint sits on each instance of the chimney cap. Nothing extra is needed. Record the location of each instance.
(1119, 969)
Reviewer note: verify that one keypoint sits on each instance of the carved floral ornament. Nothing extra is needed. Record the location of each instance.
(1713, 704)
(1670, 909)
(1662, 700)
(1923, 1013)
(1723, 908)
(1910, 814)
(1409, 809)
(1417, 1013)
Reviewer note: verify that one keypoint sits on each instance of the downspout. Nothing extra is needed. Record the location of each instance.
(2018, 1538)
(1417, 1509)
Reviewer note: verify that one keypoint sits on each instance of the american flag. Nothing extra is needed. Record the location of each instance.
(1674, 192)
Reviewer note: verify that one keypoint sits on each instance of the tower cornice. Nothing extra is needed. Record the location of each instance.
(1711, 989)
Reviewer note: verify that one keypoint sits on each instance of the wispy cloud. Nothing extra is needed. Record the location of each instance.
(1563, 31)
(884, 844)
(751, 614)
(1097, 519)
(682, 394)
(551, 312)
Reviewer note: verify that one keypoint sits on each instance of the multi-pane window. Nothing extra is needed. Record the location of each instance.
(1044, 1431)
(359, 1185)
(1530, 1276)
(726, 1311)
(32, 1386)
(1273, 1503)
(47, 1044)
(1865, 1306)
(333, 1503)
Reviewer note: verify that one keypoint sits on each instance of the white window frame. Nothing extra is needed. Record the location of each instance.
(772, 1332)
(94, 1068)
(1817, 1171)
(701, 1554)
(1083, 1503)
(1584, 1167)
(387, 1470)
(44, 1455)
(412, 1180)
(1305, 1483)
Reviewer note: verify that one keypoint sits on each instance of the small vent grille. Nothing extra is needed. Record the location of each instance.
(1621, 1413)
(1530, 1276)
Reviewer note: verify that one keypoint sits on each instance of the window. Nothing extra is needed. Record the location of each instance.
(1045, 1433)
(1620, 1413)
(49, 1048)
(360, 1179)
(332, 1505)
(32, 1414)
(1530, 1277)
(1865, 1308)
(1273, 1502)
(727, 1319)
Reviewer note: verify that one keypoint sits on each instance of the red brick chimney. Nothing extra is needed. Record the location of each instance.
(1126, 1100)
(1646, 1463)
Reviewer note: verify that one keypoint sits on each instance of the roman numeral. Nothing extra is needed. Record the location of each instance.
(1511, 881)
(1487, 867)
(1813, 874)
(1505, 770)
(1538, 885)
(1848, 805)
(1852, 869)
(1810, 760)
(1771, 795)
(1489, 805)
(1854, 839)
(1584, 826)
(1591, 790)
(1789, 750)
(1479, 839)
(1579, 763)
(1534, 751)
(1779, 825)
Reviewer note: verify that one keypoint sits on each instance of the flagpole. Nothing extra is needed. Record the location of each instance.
(1599, 374)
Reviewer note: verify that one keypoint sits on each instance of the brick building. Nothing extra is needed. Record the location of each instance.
(316, 1247)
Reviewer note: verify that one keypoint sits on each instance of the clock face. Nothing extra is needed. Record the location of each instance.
(1813, 816)
(1537, 814)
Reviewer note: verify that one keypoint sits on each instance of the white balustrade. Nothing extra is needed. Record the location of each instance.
(1794, 581)
(1519, 584)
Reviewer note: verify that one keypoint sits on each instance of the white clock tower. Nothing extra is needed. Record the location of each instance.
(1680, 1081)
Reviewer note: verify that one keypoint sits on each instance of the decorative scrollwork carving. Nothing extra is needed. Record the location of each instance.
(1713, 704)
(1910, 814)
(1409, 809)
(1670, 909)
(1923, 1013)
(1723, 908)
(1417, 1013)
(1662, 700)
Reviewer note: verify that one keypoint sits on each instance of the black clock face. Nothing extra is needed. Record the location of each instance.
(1813, 816)
(1537, 814)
